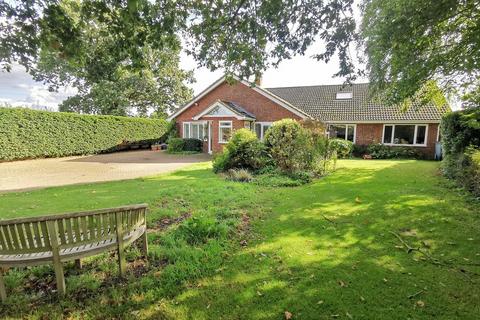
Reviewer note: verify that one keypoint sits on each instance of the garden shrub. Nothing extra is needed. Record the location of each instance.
(243, 151)
(325, 155)
(191, 144)
(220, 161)
(460, 130)
(342, 147)
(359, 150)
(180, 145)
(176, 145)
(460, 133)
(26, 133)
(239, 175)
(290, 146)
(381, 151)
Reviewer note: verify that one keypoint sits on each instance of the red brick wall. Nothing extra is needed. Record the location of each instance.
(263, 108)
(372, 133)
(368, 133)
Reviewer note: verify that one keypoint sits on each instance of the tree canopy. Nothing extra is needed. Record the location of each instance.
(408, 47)
(411, 43)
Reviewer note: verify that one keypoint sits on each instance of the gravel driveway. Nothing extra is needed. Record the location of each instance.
(39, 173)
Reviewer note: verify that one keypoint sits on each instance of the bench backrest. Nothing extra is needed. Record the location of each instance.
(35, 234)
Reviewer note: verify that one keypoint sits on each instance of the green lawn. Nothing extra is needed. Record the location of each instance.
(321, 251)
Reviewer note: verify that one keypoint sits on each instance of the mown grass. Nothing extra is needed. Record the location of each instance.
(320, 251)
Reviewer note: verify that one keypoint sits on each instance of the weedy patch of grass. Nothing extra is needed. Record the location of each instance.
(321, 250)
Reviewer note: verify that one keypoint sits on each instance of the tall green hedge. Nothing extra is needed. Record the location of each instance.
(26, 133)
(461, 148)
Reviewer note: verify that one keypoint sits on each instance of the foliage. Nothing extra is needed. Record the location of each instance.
(290, 146)
(464, 168)
(181, 145)
(359, 150)
(410, 43)
(175, 144)
(220, 161)
(461, 142)
(342, 147)
(242, 37)
(381, 151)
(191, 144)
(239, 175)
(459, 130)
(292, 231)
(325, 155)
(243, 151)
(121, 56)
(26, 133)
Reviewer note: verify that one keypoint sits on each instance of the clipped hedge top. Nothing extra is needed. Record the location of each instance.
(26, 133)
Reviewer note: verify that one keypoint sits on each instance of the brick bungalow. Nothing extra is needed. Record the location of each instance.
(349, 114)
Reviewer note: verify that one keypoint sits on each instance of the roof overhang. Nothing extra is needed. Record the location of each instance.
(220, 103)
(261, 91)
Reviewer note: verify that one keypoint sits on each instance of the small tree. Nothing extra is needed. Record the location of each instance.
(243, 151)
(290, 145)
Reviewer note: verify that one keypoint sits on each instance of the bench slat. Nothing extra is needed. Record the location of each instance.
(37, 235)
(92, 227)
(83, 226)
(28, 232)
(14, 237)
(3, 240)
(68, 225)
(61, 231)
(76, 228)
(21, 235)
(45, 237)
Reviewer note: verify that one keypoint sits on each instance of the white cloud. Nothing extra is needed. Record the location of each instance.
(19, 89)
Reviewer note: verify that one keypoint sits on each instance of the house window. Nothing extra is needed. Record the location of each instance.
(194, 130)
(224, 131)
(405, 134)
(342, 131)
(261, 128)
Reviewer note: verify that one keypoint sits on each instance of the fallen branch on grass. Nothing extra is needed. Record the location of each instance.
(433, 260)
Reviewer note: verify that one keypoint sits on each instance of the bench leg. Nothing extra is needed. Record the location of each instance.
(122, 264)
(60, 277)
(3, 291)
(78, 264)
(145, 244)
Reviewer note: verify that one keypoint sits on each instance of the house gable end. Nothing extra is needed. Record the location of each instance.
(243, 86)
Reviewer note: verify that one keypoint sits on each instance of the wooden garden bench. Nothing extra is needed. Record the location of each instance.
(71, 236)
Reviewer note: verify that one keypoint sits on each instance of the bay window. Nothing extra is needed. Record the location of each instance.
(224, 131)
(405, 134)
(342, 131)
(195, 130)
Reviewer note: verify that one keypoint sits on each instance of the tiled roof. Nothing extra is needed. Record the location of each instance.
(320, 103)
(238, 109)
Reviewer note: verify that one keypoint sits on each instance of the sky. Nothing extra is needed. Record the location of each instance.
(19, 89)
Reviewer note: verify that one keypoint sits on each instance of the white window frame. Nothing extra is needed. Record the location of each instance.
(220, 127)
(354, 125)
(262, 128)
(414, 135)
(201, 124)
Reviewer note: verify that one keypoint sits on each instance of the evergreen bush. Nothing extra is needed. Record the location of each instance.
(26, 133)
